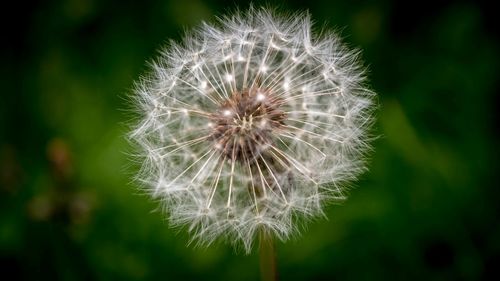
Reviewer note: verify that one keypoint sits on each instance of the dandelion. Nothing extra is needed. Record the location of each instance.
(250, 126)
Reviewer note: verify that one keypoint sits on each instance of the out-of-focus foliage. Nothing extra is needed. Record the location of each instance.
(427, 209)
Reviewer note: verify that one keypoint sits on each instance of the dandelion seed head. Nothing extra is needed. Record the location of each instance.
(253, 123)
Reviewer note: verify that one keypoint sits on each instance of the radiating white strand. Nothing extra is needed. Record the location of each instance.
(254, 193)
(198, 90)
(216, 182)
(274, 178)
(312, 134)
(305, 142)
(231, 178)
(189, 167)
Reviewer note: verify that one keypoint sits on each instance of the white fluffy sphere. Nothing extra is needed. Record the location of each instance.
(250, 125)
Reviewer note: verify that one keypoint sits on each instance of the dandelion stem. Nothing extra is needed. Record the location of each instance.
(268, 269)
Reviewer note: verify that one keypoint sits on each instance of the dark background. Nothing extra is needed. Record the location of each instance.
(427, 209)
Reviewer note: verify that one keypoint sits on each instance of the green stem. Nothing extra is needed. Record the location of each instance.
(268, 270)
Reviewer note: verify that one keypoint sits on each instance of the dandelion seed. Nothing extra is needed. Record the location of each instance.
(255, 141)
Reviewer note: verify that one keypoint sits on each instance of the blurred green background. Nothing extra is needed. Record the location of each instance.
(428, 209)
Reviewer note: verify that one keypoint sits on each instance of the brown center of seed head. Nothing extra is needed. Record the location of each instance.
(244, 123)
